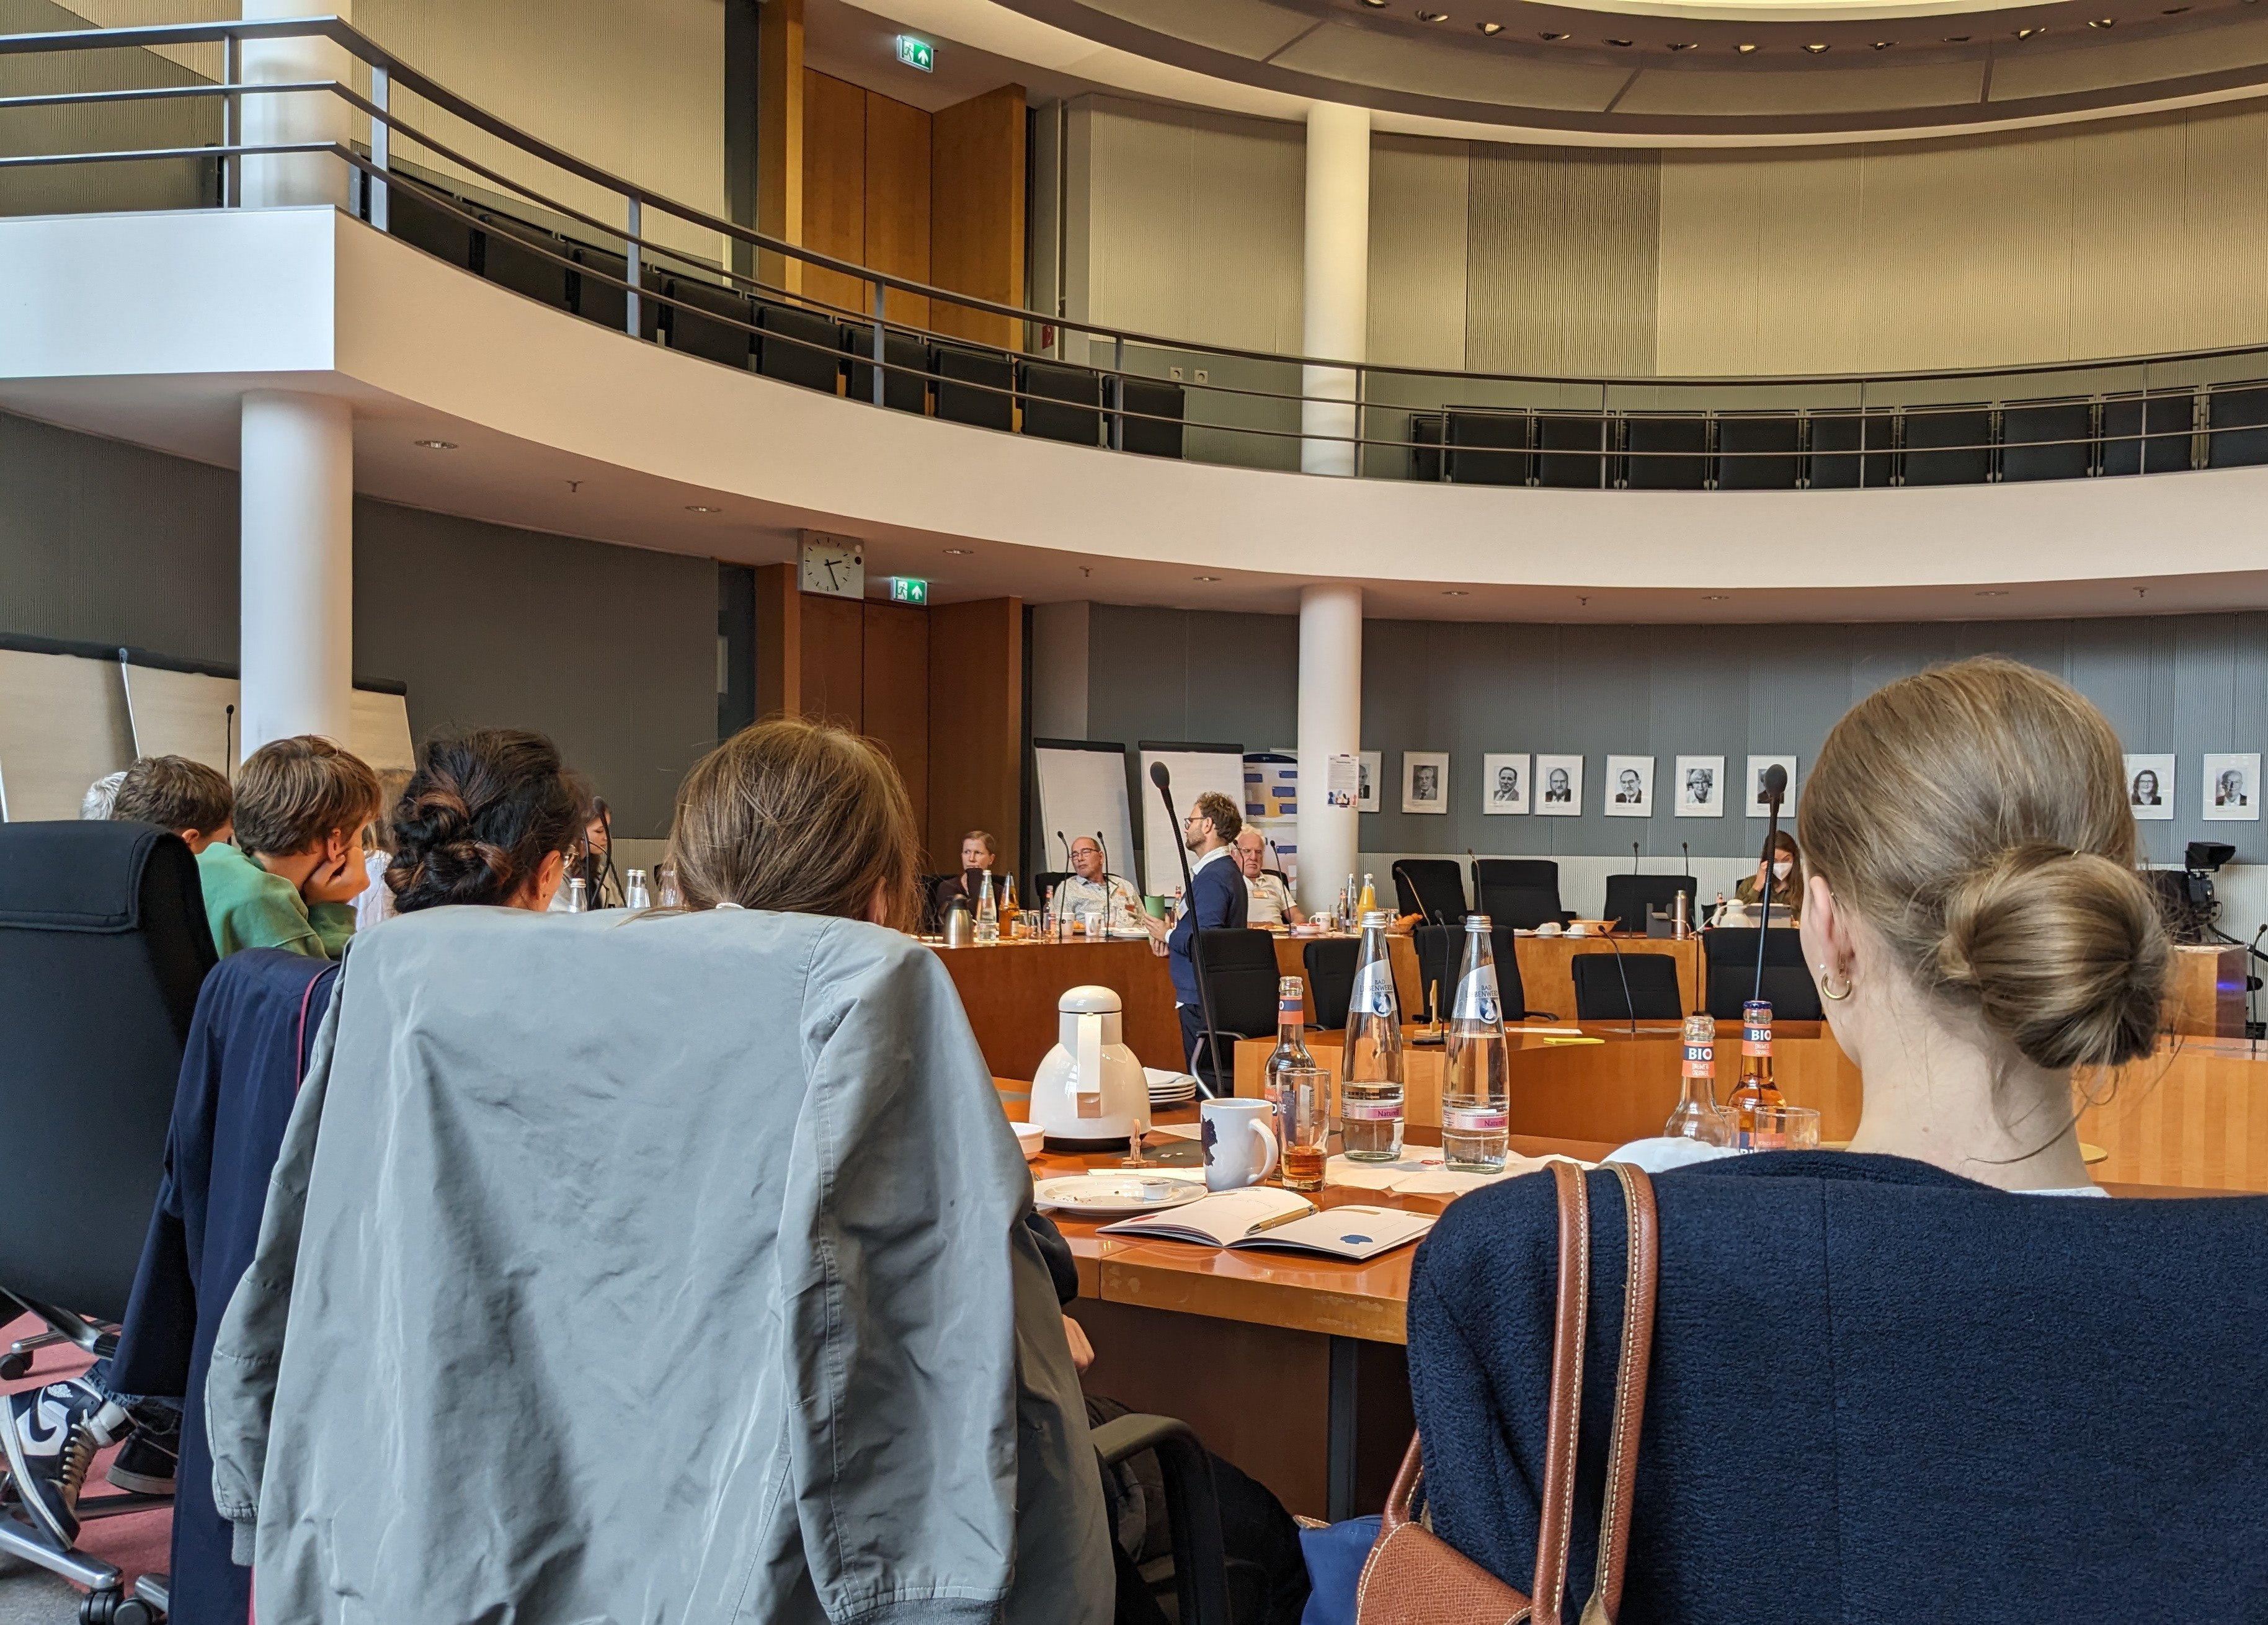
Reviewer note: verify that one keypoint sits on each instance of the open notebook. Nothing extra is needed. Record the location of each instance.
(1242, 1218)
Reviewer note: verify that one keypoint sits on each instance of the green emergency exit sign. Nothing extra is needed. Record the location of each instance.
(917, 53)
(908, 590)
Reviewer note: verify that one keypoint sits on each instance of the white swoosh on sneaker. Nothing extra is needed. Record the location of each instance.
(54, 1419)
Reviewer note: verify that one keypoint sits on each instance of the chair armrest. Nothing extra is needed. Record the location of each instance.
(1200, 1564)
(1539, 1015)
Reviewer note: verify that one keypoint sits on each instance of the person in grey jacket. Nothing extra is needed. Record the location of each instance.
(662, 1268)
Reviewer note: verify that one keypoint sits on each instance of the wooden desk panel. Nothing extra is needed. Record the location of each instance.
(1547, 977)
(2195, 1114)
(1010, 992)
(2206, 999)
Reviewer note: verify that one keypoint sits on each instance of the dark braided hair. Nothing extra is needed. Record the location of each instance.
(476, 821)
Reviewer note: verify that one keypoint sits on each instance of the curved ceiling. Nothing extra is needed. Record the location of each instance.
(1674, 71)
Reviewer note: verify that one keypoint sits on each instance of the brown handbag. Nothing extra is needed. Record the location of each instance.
(1415, 1577)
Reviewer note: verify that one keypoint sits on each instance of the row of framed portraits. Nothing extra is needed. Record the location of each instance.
(1517, 784)
(2231, 781)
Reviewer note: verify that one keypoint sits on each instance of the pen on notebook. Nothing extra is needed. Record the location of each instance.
(1282, 1218)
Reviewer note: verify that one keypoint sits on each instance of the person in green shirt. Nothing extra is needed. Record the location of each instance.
(289, 879)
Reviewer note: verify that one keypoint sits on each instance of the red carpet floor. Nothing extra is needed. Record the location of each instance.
(135, 1543)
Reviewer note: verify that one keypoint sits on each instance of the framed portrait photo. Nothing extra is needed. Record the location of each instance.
(1558, 786)
(1506, 783)
(1629, 788)
(1374, 766)
(2150, 786)
(1758, 808)
(2231, 787)
(1425, 781)
(1700, 787)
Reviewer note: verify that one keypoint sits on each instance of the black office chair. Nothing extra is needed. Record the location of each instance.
(1626, 987)
(931, 922)
(727, 339)
(1239, 978)
(1200, 1580)
(1060, 402)
(1441, 964)
(1521, 892)
(1045, 881)
(1787, 983)
(1149, 414)
(517, 255)
(798, 347)
(1330, 962)
(103, 945)
(1630, 897)
(974, 386)
(1432, 887)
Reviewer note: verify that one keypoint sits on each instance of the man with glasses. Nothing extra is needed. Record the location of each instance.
(1104, 902)
(1216, 901)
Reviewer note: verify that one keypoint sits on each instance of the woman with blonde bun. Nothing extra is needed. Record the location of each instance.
(1975, 919)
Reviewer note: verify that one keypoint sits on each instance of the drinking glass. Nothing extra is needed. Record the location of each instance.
(1779, 1129)
(1303, 1124)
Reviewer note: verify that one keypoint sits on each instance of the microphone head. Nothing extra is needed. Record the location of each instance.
(1775, 781)
(1159, 776)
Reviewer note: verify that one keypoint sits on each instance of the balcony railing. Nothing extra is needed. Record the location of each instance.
(608, 250)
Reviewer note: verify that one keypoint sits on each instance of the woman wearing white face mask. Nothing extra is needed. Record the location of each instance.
(1786, 875)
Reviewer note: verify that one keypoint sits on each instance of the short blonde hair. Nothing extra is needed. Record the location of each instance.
(291, 794)
(1976, 815)
(797, 817)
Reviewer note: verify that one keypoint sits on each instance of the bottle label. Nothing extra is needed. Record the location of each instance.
(1476, 998)
(1700, 1060)
(1756, 1028)
(1373, 991)
(1371, 1111)
(1463, 1121)
(1292, 1008)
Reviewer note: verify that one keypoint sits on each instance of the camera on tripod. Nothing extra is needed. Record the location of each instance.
(2186, 895)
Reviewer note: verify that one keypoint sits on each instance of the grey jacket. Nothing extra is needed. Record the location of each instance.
(667, 1268)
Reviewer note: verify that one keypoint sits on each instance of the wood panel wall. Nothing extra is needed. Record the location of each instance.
(834, 185)
(895, 654)
(977, 191)
(833, 660)
(779, 136)
(977, 722)
(898, 200)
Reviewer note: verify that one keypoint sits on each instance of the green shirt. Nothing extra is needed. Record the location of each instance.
(248, 907)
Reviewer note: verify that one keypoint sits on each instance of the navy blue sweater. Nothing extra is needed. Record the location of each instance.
(1879, 1392)
(1218, 902)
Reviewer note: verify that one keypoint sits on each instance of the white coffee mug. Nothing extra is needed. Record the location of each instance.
(1240, 1146)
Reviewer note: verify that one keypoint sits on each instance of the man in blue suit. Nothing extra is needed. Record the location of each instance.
(1216, 900)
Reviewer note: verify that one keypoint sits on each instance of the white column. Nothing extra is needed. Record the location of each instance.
(1330, 724)
(315, 115)
(295, 547)
(1336, 290)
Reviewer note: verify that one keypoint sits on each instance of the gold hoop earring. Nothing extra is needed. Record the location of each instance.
(1828, 992)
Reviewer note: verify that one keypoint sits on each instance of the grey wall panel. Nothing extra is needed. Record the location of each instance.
(1564, 258)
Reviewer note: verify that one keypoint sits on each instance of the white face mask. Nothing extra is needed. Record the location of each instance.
(1781, 868)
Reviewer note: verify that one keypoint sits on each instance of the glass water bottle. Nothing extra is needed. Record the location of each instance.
(988, 912)
(578, 902)
(634, 893)
(1475, 1064)
(1371, 1090)
(1696, 1116)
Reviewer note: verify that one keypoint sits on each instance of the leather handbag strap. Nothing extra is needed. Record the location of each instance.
(1569, 1329)
(1635, 1360)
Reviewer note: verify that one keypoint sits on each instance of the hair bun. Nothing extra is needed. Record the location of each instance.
(2063, 952)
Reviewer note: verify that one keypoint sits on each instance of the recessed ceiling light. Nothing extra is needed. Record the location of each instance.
(701, 507)
(2103, 22)
(2026, 33)
(1375, 5)
(1994, 592)
(1715, 598)
(1884, 44)
(1688, 46)
(1956, 39)
(961, 553)
(435, 446)
(1621, 44)
(2173, 10)
(1817, 50)
(1745, 50)
(1491, 29)
(1454, 593)
(1550, 39)
(1424, 16)
(1205, 577)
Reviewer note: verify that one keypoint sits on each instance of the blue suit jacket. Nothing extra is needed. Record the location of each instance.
(1216, 901)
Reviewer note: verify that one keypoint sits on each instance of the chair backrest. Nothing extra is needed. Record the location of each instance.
(1241, 976)
(1044, 882)
(1942, 1364)
(1330, 962)
(1519, 892)
(103, 945)
(1600, 985)
(1441, 964)
(931, 921)
(1630, 896)
(1429, 886)
(1787, 984)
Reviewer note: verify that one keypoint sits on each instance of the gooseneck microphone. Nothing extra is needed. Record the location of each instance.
(1164, 780)
(1633, 857)
(1103, 846)
(1775, 788)
(1066, 847)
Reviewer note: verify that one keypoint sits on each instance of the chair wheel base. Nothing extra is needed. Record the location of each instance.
(99, 1607)
(15, 1367)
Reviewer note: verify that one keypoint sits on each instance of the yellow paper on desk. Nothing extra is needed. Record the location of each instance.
(1555, 1040)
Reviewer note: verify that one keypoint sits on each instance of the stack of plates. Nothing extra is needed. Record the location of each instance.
(1169, 1088)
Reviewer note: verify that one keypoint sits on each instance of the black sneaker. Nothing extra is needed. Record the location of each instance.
(51, 1440)
(148, 1463)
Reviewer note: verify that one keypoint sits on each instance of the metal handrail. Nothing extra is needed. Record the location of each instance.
(638, 249)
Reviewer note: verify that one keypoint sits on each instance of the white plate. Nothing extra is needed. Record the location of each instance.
(1113, 1195)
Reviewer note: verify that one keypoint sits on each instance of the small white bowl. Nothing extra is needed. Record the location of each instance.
(1031, 1136)
(1549, 928)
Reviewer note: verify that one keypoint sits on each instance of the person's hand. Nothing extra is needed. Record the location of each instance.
(339, 880)
(1082, 1352)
